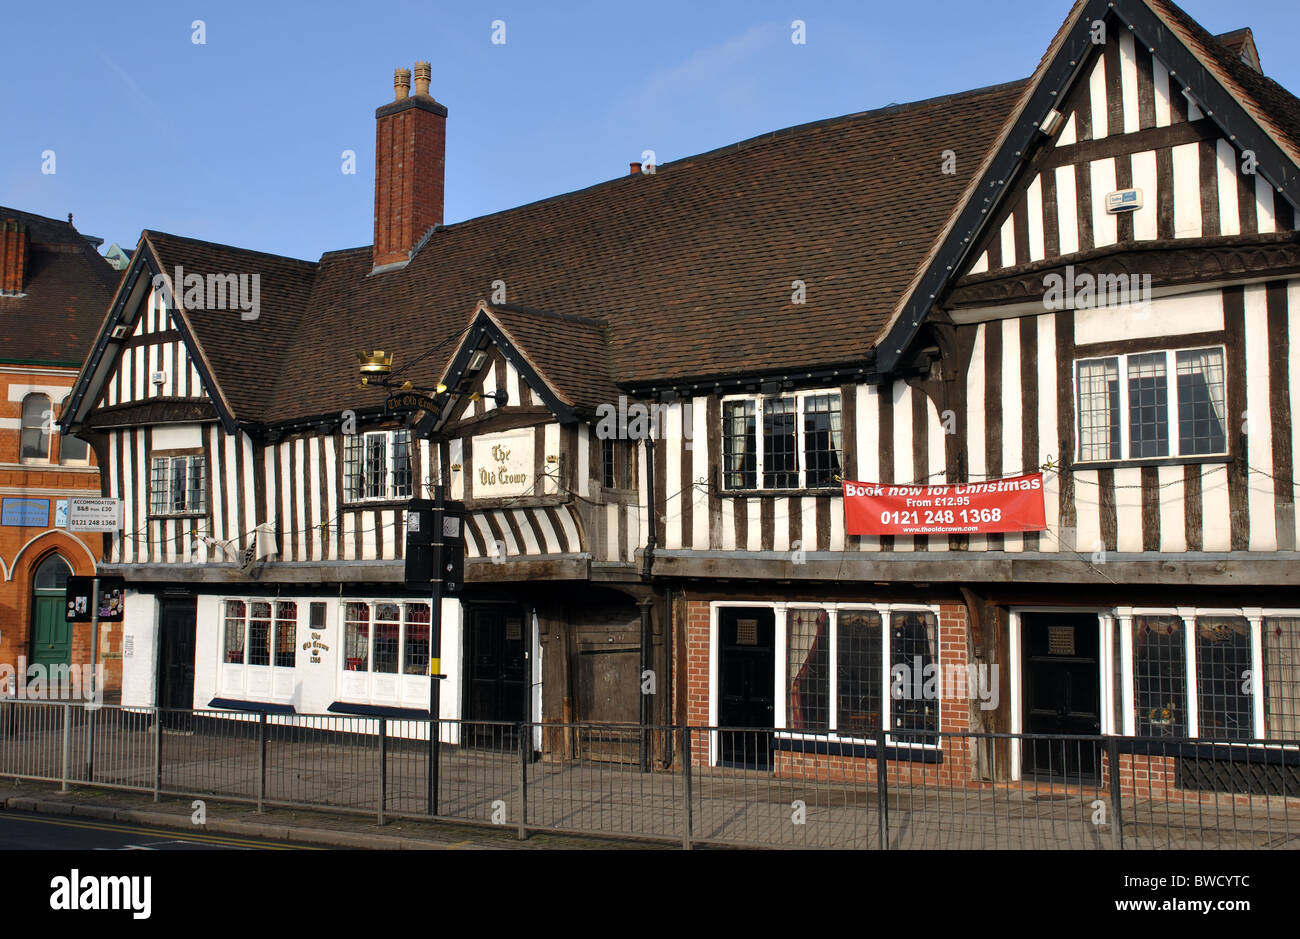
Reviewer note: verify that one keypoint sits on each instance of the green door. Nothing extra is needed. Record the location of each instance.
(51, 634)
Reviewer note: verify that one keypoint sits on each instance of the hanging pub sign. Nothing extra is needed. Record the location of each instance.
(998, 505)
(405, 402)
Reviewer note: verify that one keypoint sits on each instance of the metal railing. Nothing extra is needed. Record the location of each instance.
(687, 785)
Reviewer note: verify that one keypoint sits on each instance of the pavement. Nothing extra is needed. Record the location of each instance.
(296, 828)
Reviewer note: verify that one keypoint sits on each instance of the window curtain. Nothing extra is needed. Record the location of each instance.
(808, 638)
(1208, 364)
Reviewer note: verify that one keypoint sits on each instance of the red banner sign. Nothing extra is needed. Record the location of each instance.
(998, 505)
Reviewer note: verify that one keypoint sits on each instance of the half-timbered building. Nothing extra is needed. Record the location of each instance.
(658, 386)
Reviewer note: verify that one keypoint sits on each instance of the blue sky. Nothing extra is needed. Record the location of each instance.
(239, 140)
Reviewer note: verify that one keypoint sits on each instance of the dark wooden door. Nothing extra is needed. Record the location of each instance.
(746, 684)
(177, 619)
(498, 671)
(1062, 689)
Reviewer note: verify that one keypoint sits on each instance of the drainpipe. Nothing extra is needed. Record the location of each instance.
(647, 555)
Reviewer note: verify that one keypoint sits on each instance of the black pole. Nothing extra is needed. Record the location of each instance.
(435, 659)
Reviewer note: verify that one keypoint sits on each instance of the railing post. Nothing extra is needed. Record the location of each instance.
(882, 789)
(525, 743)
(685, 750)
(90, 745)
(261, 761)
(383, 768)
(157, 752)
(1116, 803)
(67, 746)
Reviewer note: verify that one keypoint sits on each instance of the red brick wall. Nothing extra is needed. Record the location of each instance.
(23, 548)
(410, 155)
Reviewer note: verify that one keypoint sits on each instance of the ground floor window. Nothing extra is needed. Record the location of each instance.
(1215, 674)
(386, 637)
(849, 671)
(253, 629)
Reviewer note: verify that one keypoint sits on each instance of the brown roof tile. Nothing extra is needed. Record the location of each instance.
(67, 288)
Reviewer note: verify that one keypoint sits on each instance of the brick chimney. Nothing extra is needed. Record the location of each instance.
(410, 152)
(13, 255)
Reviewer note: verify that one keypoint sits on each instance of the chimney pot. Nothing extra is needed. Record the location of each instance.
(636, 169)
(423, 75)
(401, 83)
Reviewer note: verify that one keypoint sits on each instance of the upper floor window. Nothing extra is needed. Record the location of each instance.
(788, 442)
(616, 467)
(73, 449)
(178, 485)
(1130, 409)
(37, 424)
(377, 465)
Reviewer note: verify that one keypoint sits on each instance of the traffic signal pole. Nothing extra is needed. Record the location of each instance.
(436, 675)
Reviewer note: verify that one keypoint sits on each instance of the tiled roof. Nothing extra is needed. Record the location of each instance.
(67, 288)
(246, 356)
(1274, 103)
(691, 268)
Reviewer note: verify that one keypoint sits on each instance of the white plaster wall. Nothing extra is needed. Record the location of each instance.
(140, 668)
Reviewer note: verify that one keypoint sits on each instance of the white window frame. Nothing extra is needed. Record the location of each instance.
(48, 435)
(390, 487)
(799, 435)
(1254, 616)
(189, 510)
(781, 677)
(1173, 411)
(276, 619)
(401, 603)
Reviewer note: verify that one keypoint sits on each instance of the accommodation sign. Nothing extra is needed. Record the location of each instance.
(86, 514)
(503, 465)
(997, 505)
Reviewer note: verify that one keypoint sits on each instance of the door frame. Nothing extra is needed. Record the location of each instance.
(715, 660)
(160, 668)
(1105, 668)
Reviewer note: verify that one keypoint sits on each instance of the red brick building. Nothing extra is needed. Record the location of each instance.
(54, 288)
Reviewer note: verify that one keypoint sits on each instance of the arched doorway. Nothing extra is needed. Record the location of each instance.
(51, 633)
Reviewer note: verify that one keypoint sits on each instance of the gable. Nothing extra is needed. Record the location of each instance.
(987, 209)
(1125, 126)
(145, 353)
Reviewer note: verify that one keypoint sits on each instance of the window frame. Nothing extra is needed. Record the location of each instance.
(272, 636)
(23, 430)
(1255, 618)
(404, 620)
(801, 419)
(65, 460)
(1173, 406)
(188, 511)
(834, 609)
(390, 489)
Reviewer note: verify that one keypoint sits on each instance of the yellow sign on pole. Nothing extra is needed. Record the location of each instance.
(435, 666)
